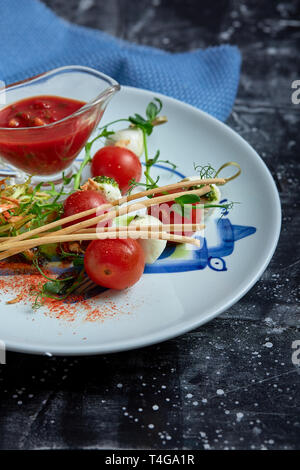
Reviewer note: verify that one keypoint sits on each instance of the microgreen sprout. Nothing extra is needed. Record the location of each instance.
(134, 184)
(205, 171)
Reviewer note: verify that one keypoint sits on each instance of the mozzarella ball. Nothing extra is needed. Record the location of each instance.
(130, 138)
(152, 248)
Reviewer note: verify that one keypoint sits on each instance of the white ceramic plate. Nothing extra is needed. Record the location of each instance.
(166, 304)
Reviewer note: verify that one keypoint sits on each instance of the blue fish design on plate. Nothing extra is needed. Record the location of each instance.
(205, 256)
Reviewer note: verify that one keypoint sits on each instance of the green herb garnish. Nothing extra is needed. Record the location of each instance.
(105, 180)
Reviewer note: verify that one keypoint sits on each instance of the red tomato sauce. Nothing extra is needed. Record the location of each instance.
(36, 147)
(38, 111)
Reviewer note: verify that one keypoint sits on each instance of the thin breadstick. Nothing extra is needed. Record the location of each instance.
(151, 228)
(32, 243)
(158, 228)
(104, 235)
(163, 227)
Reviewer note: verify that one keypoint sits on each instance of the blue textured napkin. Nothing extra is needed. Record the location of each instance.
(33, 40)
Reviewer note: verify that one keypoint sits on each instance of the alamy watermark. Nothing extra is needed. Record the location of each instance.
(2, 352)
(2, 93)
(179, 221)
(295, 97)
(296, 353)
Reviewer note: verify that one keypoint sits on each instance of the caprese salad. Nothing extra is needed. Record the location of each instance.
(90, 225)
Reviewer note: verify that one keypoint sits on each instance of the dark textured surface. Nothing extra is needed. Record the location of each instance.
(231, 383)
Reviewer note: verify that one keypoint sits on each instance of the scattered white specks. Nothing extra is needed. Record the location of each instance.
(239, 417)
(120, 385)
(195, 403)
(226, 35)
(290, 145)
(189, 395)
(151, 426)
(268, 344)
(85, 5)
(220, 392)
(140, 410)
(165, 435)
(256, 431)
(204, 400)
(155, 407)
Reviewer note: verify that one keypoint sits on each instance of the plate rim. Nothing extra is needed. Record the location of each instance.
(172, 331)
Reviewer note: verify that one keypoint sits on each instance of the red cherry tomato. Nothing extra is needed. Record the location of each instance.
(191, 214)
(114, 263)
(82, 201)
(118, 163)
